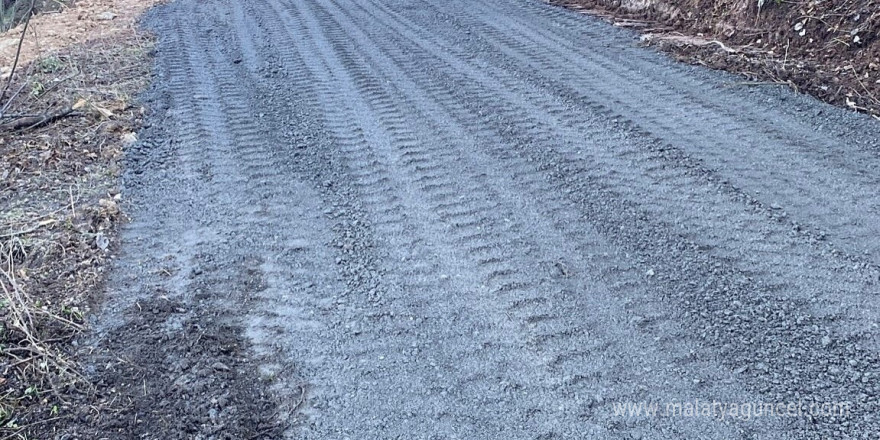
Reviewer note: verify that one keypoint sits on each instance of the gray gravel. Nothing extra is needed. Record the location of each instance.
(498, 219)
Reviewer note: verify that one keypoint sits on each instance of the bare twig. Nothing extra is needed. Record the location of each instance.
(785, 60)
(30, 123)
(30, 425)
(723, 46)
(301, 400)
(19, 115)
(756, 83)
(27, 21)
(856, 76)
(21, 319)
(12, 98)
(28, 230)
(72, 204)
(54, 85)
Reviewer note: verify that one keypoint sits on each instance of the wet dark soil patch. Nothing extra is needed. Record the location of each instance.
(174, 372)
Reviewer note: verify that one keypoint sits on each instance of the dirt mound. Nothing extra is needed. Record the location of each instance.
(829, 49)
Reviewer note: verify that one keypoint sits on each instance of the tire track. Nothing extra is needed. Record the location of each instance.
(533, 319)
(452, 220)
(221, 249)
(410, 245)
(687, 106)
(471, 93)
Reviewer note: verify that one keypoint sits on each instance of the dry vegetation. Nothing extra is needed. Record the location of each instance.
(830, 49)
(64, 122)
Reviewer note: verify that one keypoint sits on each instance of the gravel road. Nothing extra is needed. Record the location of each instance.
(484, 219)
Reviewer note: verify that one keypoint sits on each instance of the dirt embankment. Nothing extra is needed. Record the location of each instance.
(829, 49)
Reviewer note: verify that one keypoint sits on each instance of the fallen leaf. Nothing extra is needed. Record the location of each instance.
(82, 103)
(109, 207)
(129, 139)
(103, 111)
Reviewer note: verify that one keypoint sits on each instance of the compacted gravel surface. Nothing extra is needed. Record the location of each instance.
(483, 219)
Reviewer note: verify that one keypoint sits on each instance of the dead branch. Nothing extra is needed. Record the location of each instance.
(756, 83)
(32, 122)
(28, 230)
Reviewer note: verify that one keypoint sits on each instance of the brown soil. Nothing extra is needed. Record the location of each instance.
(828, 49)
(58, 190)
(85, 21)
